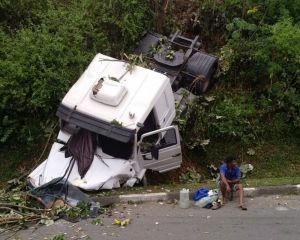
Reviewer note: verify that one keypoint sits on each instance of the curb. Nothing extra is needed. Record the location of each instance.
(154, 197)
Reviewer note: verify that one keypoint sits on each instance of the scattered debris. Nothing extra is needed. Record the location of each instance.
(19, 208)
(121, 223)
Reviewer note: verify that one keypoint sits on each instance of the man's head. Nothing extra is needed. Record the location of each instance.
(230, 161)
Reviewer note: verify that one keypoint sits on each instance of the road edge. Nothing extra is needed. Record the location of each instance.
(171, 196)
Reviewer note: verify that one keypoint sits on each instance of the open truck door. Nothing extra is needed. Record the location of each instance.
(160, 150)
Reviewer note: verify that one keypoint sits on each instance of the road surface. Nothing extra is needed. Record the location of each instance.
(268, 218)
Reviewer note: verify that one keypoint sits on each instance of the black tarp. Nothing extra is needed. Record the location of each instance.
(60, 188)
(82, 146)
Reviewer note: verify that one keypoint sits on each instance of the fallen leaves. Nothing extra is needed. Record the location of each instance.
(19, 208)
(121, 223)
(97, 221)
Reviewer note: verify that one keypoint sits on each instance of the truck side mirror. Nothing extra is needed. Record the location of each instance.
(155, 151)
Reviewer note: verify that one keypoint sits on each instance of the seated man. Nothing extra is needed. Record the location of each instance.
(230, 180)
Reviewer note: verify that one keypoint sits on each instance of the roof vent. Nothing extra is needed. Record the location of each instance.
(107, 91)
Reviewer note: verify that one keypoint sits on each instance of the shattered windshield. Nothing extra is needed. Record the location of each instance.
(108, 145)
(115, 148)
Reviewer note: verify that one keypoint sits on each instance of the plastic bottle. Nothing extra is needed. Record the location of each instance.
(184, 198)
(95, 206)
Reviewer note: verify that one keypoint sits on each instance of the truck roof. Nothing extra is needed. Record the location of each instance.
(127, 101)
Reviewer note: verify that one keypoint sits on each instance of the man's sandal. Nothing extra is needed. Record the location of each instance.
(243, 208)
(216, 206)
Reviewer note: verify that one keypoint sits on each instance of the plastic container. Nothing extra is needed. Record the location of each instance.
(184, 198)
(95, 206)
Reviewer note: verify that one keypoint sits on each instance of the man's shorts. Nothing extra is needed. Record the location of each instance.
(234, 188)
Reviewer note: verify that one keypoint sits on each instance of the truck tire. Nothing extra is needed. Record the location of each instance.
(149, 40)
(201, 66)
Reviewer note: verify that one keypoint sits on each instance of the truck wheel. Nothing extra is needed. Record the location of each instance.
(202, 66)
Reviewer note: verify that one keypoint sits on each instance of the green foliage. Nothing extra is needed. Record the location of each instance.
(227, 117)
(273, 67)
(59, 237)
(258, 68)
(15, 14)
(97, 221)
(190, 176)
(73, 214)
(236, 117)
(45, 46)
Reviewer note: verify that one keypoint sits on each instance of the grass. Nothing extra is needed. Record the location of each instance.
(15, 161)
(275, 163)
(273, 158)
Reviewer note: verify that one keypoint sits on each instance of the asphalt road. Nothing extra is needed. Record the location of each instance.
(273, 217)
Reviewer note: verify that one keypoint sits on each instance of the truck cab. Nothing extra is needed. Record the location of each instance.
(130, 112)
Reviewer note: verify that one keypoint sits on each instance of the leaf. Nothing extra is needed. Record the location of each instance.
(121, 223)
(116, 222)
(47, 222)
(252, 11)
(205, 142)
(125, 222)
(97, 221)
(16, 197)
(210, 98)
(251, 151)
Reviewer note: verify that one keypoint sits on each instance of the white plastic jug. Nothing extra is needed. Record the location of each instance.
(184, 198)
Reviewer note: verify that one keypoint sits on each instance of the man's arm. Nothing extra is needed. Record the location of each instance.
(224, 180)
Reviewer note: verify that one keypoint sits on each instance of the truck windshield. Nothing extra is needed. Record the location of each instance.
(115, 148)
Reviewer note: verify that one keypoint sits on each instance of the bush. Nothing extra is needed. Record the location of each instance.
(227, 116)
(270, 65)
(45, 50)
(258, 92)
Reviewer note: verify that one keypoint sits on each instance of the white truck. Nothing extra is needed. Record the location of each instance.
(130, 111)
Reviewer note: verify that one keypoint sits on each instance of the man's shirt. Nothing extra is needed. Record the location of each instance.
(230, 174)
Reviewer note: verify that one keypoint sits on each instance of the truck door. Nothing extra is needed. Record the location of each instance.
(160, 150)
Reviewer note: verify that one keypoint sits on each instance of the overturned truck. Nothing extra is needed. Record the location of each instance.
(116, 122)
